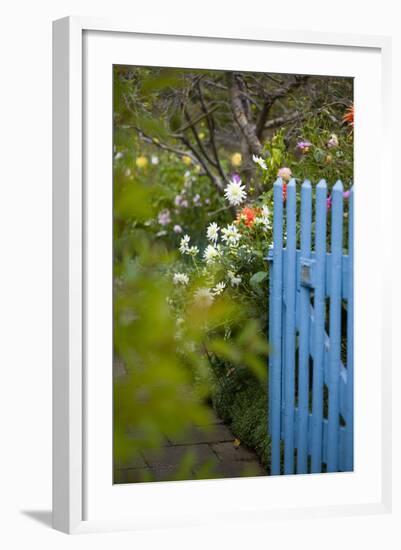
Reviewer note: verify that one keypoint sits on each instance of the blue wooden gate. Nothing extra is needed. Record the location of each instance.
(311, 331)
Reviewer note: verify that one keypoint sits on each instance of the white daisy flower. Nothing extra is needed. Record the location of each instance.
(193, 251)
(235, 193)
(235, 280)
(264, 218)
(213, 232)
(184, 248)
(154, 160)
(218, 289)
(180, 279)
(210, 254)
(230, 235)
(259, 161)
(204, 297)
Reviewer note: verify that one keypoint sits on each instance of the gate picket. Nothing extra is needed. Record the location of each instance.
(289, 350)
(304, 325)
(335, 327)
(319, 308)
(300, 282)
(276, 304)
(349, 437)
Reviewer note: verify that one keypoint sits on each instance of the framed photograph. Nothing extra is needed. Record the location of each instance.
(219, 220)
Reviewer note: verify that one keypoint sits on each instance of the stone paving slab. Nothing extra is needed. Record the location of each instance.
(230, 469)
(173, 456)
(227, 451)
(210, 434)
(214, 420)
(213, 451)
(135, 461)
(136, 475)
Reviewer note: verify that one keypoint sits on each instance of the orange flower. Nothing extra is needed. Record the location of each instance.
(248, 215)
(349, 116)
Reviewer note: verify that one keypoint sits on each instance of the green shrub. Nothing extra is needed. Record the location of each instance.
(240, 399)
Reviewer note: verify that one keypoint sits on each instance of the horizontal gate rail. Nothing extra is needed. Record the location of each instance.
(311, 363)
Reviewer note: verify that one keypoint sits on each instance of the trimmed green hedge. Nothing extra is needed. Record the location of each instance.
(241, 401)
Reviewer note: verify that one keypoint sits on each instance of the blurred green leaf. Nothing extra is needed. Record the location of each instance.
(258, 277)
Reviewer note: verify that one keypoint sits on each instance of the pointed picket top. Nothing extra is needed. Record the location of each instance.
(278, 183)
(322, 184)
(337, 200)
(291, 183)
(306, 184)
(338, 187)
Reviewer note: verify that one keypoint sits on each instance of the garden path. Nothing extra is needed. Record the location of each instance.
(204, 452)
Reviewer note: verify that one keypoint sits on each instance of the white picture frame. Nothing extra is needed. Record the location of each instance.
(74, 475)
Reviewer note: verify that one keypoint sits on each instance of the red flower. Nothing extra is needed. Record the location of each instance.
(349, 116)
(284, 192)
(247, 215)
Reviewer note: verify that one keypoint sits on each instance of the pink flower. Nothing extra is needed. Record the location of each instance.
(180, 201)
(333, 141)
(164, 217)
(235, 177)
(177, 229)
(328, 202)
(303, 146)
(196, 200)
(284, 173)
(346, 194)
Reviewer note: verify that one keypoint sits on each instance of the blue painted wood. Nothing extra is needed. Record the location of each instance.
(276, 304)
(289, 350)
(335, 327)
(270, 313)
(304, 322)
(342, 440)
(319, 312)
(349, 437)
(293, 318)
(343, 370)
(345, 272)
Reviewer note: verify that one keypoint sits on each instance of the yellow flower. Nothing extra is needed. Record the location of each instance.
(328, 159)
(186, 160)
(197, 169)
(201, 135)
(141, 162)
(236, 159)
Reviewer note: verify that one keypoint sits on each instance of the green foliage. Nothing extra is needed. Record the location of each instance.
(258, 278)
(190, 322)
(166, 377)
(241, 401)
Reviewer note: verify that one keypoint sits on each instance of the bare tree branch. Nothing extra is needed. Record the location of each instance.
(197, 119)
(192, 126)
(264, 113)
(270, 99)
(215, 180)
(283, 120)
(163, 146)
(240, 117)
(211, 127)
